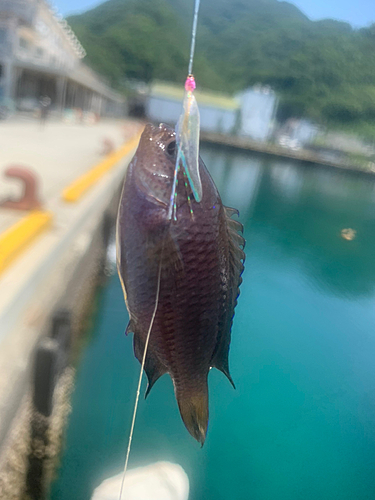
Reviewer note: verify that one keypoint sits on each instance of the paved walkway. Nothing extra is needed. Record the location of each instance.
(58, 153)
(33, 282)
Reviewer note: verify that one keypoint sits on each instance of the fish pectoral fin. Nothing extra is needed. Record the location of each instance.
(153, 368)
(172, 258)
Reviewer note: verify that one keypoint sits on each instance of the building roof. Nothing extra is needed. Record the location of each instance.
(176, 92)
(68, 32)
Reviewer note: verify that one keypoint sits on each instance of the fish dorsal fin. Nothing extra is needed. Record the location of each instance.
(234, 268)
(153, 368)
(236, 246)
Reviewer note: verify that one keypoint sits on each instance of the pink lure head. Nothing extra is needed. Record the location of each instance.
(190, 84)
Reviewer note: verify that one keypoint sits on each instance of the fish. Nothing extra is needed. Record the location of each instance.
(192, 264)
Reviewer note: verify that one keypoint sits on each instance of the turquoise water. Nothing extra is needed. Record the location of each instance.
(301, 424)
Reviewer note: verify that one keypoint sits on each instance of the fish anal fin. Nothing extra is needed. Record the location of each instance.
(130, 328)
(220, 362)
(154, 369)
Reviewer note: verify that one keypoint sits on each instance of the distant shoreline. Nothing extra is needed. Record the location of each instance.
(303, 155)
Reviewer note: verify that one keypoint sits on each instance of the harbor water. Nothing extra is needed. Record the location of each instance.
(301, 422)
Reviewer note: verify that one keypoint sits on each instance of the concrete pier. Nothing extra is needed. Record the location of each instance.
(57, 268)
(303, 155)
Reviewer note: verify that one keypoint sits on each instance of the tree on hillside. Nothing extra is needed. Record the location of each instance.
(323, 69)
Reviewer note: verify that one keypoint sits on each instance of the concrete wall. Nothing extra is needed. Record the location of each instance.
(70, 284)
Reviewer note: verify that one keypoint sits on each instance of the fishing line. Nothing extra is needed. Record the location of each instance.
(193, 34)
(142, 368)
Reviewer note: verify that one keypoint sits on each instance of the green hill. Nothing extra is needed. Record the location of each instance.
(322, 69)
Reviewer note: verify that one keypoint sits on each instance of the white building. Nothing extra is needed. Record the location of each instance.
(301, 130)
(218, 113)
(251, 113)
(40, 55)
(258, 110)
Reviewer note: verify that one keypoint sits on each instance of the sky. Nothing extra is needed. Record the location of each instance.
(357, 12)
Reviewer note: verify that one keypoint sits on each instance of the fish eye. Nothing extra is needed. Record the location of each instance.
(171, 148)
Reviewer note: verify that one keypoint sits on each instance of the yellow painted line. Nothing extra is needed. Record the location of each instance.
(15, 239)
(79, 187)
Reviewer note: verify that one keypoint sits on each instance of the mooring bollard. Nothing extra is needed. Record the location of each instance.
(43, 385)
(61, 328)
(45, 372)
(108, 223)
(36, 487)
(62, 332)
(29, 199)
(51, 359)
(108, 146)
(108, 227)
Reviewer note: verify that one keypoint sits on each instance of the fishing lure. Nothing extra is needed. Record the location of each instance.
(187, 132)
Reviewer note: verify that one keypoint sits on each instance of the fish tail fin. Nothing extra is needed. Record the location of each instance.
(193, 405)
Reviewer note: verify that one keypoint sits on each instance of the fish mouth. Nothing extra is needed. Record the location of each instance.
(164, 138)
(160, 141)
(161, 132)
(155, 166)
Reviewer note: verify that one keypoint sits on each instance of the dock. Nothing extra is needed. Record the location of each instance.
(50, 256)
(267, 148)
